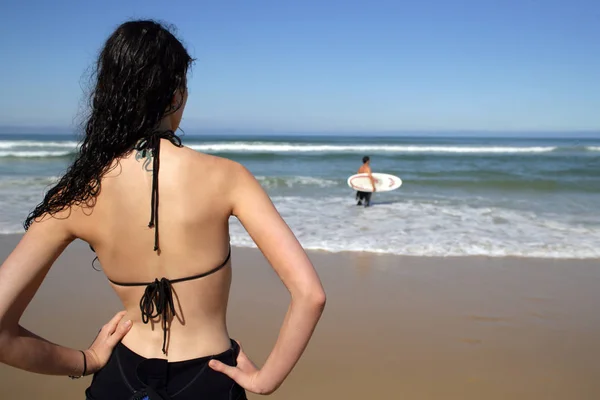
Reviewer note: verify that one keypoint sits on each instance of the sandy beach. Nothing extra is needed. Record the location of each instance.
(394, 327)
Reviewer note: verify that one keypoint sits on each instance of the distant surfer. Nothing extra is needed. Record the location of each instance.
(365, 168)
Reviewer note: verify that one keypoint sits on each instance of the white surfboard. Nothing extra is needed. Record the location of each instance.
(383, 182)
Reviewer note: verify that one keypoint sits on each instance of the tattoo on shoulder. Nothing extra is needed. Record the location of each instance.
(145, 156)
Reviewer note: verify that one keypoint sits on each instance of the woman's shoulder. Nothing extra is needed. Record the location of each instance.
(215, 165)
(221, 174)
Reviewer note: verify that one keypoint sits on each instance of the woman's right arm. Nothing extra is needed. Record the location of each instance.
(253, 207)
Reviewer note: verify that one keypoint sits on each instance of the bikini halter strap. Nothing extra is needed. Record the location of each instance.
(151, 144)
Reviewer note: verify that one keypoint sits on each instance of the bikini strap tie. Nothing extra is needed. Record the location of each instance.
(158, 301)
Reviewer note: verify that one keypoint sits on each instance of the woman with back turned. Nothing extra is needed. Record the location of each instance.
(156, 213)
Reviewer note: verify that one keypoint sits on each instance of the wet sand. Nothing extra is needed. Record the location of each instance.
(394, 327)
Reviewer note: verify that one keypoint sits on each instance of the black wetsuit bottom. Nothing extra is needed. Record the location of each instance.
(363, 197)
(129, 376)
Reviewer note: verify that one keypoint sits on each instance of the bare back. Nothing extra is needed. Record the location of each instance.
(364, 169)
(194, 238)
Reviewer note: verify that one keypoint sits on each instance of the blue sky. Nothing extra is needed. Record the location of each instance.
(328, 65)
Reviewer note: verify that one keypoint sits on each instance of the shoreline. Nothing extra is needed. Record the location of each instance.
(479, 257)
(394, 326)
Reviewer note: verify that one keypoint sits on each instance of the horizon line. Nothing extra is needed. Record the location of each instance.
(67, 130)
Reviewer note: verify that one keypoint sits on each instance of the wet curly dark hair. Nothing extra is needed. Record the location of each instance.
(139, 70)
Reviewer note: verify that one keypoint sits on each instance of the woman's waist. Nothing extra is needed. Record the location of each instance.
(182, 340)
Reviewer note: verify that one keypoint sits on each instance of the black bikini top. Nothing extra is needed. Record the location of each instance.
(158, 296)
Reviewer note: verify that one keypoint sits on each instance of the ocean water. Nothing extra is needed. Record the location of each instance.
(460, 196)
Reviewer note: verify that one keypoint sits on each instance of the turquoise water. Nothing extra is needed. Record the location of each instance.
(461, 196)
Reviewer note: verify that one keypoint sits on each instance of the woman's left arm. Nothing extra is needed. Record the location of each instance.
(21, 275)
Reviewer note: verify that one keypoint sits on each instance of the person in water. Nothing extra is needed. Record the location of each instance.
(365, 197)
(173, 277)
